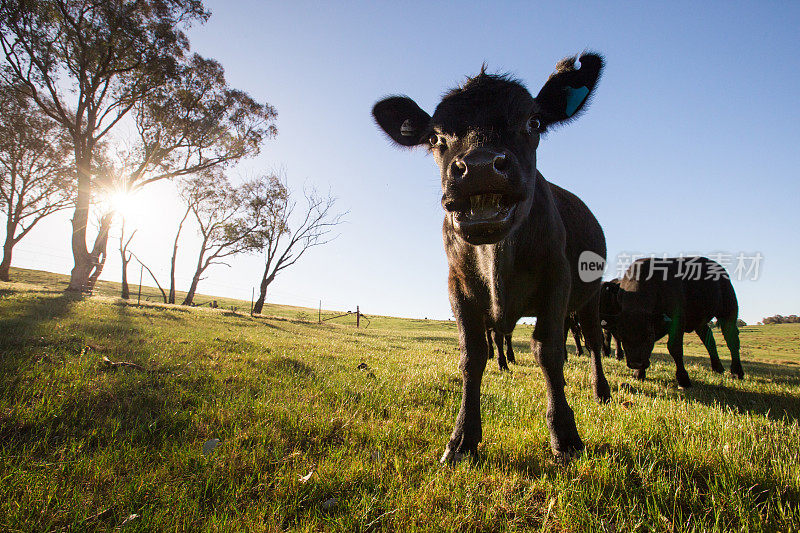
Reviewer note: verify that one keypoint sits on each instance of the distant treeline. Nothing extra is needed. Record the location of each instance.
(780, 319)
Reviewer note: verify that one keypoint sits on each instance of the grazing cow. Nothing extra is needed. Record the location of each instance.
(608, 303)
(512, 239)
(498, 338)
(673, 296)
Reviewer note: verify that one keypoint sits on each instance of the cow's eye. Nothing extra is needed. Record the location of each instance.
(534, 125)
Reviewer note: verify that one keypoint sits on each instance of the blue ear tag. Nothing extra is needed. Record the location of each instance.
(575, 98)
(667, 318)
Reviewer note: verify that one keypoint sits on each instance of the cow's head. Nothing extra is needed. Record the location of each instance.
(484, 135)
(637, 325)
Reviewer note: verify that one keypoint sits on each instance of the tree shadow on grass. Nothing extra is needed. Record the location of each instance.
(23, 326)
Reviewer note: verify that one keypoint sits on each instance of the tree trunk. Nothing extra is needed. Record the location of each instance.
(84, 262)
(262, 294)
(5, 266)
(193, 289)
(174, 255)
(126, 293)
(98, 255)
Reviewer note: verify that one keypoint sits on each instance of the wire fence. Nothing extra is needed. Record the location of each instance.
(215, 294)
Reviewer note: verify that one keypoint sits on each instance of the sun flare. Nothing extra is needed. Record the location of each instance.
(122, 203)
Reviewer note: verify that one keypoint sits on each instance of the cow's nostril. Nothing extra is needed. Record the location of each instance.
(500, 163)
(459, 168)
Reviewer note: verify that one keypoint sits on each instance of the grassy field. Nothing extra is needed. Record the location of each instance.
(85, 447)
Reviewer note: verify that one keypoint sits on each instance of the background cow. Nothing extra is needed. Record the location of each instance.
(512, 239)
(503, 358)
(673, 296)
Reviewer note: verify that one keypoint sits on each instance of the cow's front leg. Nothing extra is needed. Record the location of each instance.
(472, 341)
(620, 353)
(548, 347)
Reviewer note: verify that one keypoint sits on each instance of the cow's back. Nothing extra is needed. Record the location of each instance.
(697, 287)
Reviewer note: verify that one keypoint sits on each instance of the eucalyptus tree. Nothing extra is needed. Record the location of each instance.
(290, 231)
(229, 219)
(34, 176)
(94, 66)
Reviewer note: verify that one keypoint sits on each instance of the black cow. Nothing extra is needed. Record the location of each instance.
(673, 296)
(503, 358)
(512, 239)
(608, 297)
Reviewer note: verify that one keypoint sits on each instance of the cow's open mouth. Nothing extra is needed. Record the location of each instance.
(483, 218)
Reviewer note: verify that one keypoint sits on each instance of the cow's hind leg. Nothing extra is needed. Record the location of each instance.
(589, 320)
(731, 333)
(705, 334)
(489, 343)
(510, 350)
(675, 347)
(501, 356)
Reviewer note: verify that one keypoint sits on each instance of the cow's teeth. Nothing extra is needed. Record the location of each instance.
(485, 206)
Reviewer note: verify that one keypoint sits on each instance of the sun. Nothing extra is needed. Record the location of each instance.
(122, 203)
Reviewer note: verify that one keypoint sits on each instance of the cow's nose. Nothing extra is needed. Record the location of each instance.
(477, 163)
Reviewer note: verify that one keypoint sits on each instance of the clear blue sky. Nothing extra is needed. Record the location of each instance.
(692, 143)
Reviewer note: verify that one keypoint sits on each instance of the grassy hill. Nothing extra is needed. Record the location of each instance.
(84, 446)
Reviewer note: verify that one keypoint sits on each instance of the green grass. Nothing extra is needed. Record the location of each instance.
(83, 447)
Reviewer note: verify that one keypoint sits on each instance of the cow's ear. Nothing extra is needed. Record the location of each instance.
(402, 119)
(568, 90)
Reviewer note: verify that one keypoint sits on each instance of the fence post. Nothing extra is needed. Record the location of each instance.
(139, 298)
(358, 317)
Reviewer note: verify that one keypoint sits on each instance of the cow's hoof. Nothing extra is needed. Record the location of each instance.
(602, 392)
(565, 442)
(563, 458)
(512, 359)
(738, 374)
(564, 452)
(719, 369)
(504, 368)
(451, 457)
(683, 380)
(640, 374)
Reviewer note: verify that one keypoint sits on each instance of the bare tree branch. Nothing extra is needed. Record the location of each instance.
(313, 228)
